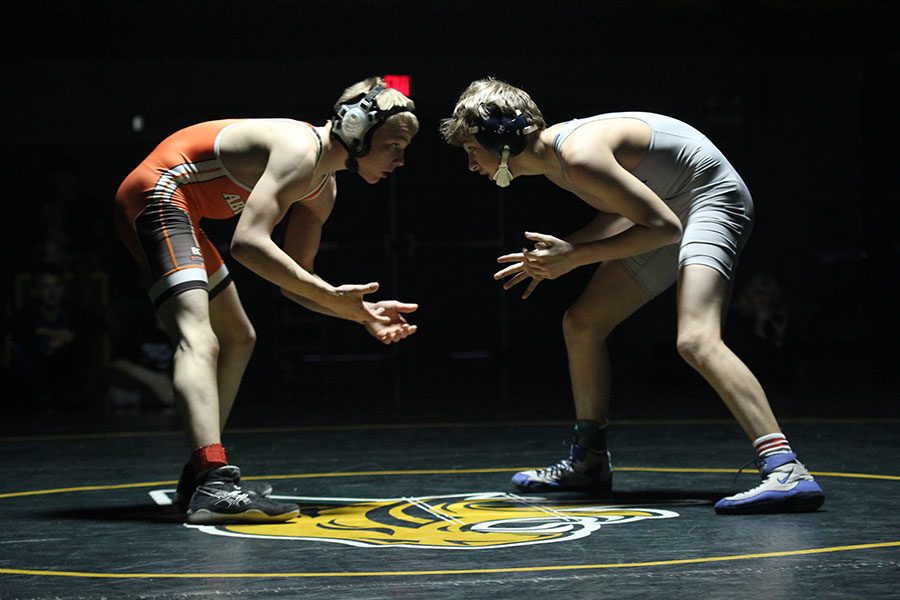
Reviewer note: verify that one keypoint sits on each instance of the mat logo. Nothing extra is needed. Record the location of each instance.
(460, 521)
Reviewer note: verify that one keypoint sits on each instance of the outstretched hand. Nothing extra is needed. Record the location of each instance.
(396, 328)
(347, 302)
(551, 258)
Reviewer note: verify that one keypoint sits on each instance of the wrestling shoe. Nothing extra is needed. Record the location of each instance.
(219, 498)
(583, 470)
(786, 487)
(187, 483)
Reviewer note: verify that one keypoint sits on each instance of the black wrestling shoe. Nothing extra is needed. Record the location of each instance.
(583, 470)
(219, 498)
(187, 483)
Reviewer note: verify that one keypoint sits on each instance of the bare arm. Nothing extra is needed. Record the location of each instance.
(286, 177)
(302, 241)
(655, 225)
(602, 226)
(633, 219)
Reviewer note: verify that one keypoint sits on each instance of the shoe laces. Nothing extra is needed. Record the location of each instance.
(758, 462)
(555, 471)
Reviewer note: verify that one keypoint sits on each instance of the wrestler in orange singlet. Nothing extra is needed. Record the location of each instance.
(260, 170)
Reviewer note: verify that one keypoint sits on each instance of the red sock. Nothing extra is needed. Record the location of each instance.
(208, 457)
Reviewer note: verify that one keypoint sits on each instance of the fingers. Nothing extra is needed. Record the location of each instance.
(376, 316)
(392, 335)
(515, 280)
(540, 237)
(507, 258)
(361, 290)
(534, 283)
(403, 307)
(509, 270)
(534, 266)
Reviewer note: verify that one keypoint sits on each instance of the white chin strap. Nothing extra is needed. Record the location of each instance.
(503, 177)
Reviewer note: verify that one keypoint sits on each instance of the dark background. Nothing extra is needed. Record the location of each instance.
(801, 96)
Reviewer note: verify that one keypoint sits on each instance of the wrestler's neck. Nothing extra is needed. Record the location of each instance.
(334, 154)
(538, 158)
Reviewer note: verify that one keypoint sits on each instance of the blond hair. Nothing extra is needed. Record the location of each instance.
(485, 97)
(386, 100)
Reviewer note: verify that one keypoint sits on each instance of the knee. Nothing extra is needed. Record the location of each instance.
(241, 340)
(696, 346)
(200, 344)
(580, 326)
(247, 339)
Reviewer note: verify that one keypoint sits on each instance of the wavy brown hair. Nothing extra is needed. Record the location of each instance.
(486, 97)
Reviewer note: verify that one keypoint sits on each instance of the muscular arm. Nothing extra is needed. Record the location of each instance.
(267, 205)
(301, 243)
(302, 239)
(286, 177)
(602, 226)
(597, 173)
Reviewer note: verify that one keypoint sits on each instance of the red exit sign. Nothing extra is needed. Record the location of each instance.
(398, 82)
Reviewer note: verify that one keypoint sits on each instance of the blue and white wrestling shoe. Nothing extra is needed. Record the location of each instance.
(786, 487)
(583, 470)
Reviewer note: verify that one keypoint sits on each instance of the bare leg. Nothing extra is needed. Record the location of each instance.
(185, 318)
(610, 297)
(702, 300)
(236, 341)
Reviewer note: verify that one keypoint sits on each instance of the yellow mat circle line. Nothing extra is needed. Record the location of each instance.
(655, 563)
(685, 561)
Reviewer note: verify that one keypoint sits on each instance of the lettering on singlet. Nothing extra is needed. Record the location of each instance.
(234, 203)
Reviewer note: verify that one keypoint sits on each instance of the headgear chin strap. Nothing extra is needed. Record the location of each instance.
(503, 136)
(354, 123)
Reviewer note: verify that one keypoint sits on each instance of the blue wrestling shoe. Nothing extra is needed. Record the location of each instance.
(786, 487)
(583, 470)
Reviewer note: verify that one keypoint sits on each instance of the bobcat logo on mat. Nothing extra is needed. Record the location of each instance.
(459, 521)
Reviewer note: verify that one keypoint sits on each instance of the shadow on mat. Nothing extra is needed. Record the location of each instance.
(145, 513)
(148, 513)
(642, 497)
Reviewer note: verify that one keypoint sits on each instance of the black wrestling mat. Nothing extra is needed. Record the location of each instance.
(428, 512)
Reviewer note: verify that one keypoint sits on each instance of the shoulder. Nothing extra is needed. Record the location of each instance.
(586, 145)
(286, 135)
(291, 144)
(597, 140)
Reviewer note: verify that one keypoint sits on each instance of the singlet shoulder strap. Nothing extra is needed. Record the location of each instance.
(563, 134)
(318, 140)
(318, 189)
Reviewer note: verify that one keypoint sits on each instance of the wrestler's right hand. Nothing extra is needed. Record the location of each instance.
(346, 302)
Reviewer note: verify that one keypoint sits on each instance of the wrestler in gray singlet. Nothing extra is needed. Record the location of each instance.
(698, 183)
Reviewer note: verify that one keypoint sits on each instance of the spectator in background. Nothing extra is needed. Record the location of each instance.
(70, 227)
(52, 345)
(140, 373)
(761, 303)
(759, 331)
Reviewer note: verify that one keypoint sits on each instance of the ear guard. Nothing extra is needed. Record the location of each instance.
(503, 136)
(354, 123)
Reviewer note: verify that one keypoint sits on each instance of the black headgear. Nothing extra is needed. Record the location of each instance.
(355, 121)
(503, 136)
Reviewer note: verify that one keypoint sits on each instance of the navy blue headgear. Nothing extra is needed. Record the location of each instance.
(355, 121)
(504, 136)
(496, 131)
